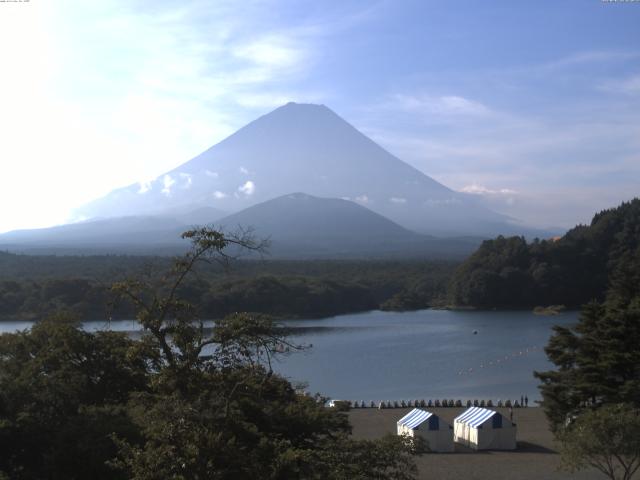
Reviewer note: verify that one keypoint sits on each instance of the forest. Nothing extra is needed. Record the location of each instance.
(571, 270)
(33, 286)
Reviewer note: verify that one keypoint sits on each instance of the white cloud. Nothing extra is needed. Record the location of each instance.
(145, 186)
(248, 188)
(211, 174)
(477, 189)
(156, 94)
(244, 171)
(581, 58)
(362, 199)
(273, 51)
(188, 180)
(398, 200)
(629, 85)
(219, 195)
(276, 99)
(438, 105)
(168, 182)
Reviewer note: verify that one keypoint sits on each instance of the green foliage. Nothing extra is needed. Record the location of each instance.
(181, 402)
(226, 414)
(598, 360)
(62, 393)
(606, 439)
(422, 291)
(387, 458)
(509, 272)
(284, 296)
(284, 289)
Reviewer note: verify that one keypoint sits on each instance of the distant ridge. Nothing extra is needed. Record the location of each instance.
(298, 226)
(301, 225)
(298, 215)
(130, 234)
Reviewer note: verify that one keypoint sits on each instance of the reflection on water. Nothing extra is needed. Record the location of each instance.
(317, 329)
(409, 355)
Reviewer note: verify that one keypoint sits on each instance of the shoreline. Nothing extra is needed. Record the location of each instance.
(550, 310)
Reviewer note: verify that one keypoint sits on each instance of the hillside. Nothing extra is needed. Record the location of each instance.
(298, 226)
(577, 268)
(303, 226)
(144, 234)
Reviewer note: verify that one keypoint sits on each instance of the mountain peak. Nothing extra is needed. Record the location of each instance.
(302, 114)
(308, 216)
(307, 106)
(302, 147)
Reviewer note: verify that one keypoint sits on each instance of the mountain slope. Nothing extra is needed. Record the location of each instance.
(306, 148)
(100, 232)
(298, 225)
(123, 231)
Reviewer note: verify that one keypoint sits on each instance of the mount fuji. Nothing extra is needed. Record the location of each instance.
(305, 148)
(354, 198)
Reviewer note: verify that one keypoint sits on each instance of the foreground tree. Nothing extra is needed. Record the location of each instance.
(597, 360)
(62, 393)
(182, 402)
(217, 410)
(592, 399)
(606, 439)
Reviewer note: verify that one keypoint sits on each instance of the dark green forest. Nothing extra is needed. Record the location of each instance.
(33, 286)
(570, 271)
(592, 396)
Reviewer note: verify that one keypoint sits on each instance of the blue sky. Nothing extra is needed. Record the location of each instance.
(535, 106)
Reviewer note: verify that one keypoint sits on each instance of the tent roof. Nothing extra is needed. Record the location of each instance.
(475, 416)
(414, 418)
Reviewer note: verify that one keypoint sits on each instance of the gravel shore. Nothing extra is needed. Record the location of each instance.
(535, 459)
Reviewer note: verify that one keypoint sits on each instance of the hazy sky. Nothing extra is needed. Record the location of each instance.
(534, 105)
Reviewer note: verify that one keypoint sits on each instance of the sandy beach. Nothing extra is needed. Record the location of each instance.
(535, 459)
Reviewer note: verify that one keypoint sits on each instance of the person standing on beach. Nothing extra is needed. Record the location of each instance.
(526, 401)
(522, 400)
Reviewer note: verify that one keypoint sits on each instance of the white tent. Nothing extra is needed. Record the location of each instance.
(483, 429)
(428, 426)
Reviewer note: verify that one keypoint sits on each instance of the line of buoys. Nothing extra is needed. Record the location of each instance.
(444, 403)
(500, 361)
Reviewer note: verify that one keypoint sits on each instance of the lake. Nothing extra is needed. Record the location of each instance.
(425, 354)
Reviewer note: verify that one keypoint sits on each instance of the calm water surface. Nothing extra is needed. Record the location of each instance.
(424, 354)
(411, 355)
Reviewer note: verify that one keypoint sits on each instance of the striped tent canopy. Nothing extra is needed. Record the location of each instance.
(475, 416)
(414, 418)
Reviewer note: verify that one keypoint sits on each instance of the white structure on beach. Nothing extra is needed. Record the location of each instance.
(430, 427)
(484, 429)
